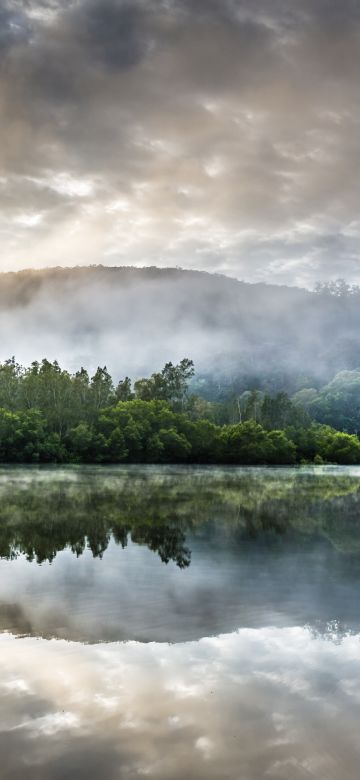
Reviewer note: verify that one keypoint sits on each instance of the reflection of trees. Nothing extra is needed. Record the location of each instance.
(43, 512)
(42, 519)
(166, 540)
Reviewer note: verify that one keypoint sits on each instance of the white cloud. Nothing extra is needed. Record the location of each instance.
(31, 220)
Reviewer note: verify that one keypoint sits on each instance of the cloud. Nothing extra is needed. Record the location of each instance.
(211, 120)
(114, 34)
(14, 27)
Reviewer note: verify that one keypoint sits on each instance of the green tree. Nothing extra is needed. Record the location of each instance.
(123, 391)
(10, 373)
(80, 440)
(246, 443)
(46, 387)
(283, 451)
(170, 385)
(102, 392)
(280, 412)
(175, 445)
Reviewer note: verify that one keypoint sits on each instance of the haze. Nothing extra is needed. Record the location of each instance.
(135, 320)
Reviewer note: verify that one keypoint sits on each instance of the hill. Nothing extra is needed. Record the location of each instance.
(134, 320)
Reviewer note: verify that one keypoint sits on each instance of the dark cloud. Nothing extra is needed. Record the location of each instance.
(14, 28)
(209, 131)
(114, 33)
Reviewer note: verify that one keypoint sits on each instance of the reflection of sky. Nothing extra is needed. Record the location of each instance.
(277, 703)
(270, 700)
(131, 594)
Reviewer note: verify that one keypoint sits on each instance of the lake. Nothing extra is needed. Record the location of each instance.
(179, 622)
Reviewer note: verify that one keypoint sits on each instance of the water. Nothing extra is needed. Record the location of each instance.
(179, 622)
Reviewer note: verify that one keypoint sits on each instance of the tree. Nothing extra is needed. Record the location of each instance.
(79, 441)
(283, 450)
(246, 443)
(249, 405)
(280, 412)
(205, 439)
(338, 403)
(123, 391)
(101, 390)
(81, 393)
(176, 381)
(170, 385)
(116, 450)
(175, 445)
(46, 387)
(10, 372)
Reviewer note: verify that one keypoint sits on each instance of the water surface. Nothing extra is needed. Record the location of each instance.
(175, 622)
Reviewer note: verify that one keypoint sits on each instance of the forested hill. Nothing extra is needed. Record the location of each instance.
(134, 320)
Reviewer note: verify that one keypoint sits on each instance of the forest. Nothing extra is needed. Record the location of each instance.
(49, 415)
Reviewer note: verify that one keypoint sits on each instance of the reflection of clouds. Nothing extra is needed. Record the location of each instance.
(271, 702)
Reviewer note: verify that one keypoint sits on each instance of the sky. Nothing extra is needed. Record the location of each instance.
(221, 135)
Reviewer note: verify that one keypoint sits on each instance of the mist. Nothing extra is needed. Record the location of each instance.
(135, 320)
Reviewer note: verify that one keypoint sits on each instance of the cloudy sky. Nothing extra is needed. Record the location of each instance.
(221, 135)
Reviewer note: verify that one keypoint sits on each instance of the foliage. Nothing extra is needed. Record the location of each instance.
(170, 385)
(336, 403)
(49, 415)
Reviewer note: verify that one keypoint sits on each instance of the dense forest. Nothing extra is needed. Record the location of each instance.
(50, 415)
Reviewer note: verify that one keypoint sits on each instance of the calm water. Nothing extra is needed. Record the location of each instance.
(179, 623)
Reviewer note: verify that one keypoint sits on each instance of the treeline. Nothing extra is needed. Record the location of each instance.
(49, 415)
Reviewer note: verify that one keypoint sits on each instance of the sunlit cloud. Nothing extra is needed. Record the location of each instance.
(180, 128)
